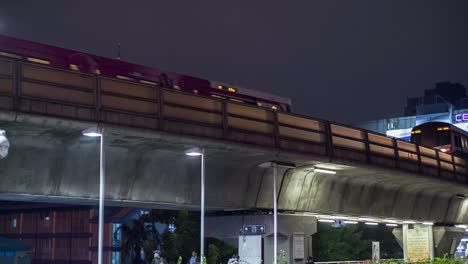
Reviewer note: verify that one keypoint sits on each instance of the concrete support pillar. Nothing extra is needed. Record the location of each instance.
(419, 241)
(446, 240)
(227, 229)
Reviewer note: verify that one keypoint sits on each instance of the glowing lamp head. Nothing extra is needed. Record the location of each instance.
(324, 171)
(92, 132)
(194, 152)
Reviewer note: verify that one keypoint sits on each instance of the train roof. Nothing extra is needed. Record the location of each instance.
(36, 48)
(440, 124)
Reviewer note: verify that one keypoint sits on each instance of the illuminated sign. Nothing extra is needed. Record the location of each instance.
(253, 229)
(461, 117)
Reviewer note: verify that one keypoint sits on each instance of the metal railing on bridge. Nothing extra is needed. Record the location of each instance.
(38, 89)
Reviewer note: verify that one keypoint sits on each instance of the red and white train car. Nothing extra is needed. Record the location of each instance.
(57, 57)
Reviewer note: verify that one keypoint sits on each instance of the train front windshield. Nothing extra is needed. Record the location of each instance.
(431, 136)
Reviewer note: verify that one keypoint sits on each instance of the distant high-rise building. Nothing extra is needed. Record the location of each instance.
(445, 103)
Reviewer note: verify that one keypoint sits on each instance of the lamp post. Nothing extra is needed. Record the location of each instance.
(99, 132)
(4, 144)
(200, 152)
(275, 165)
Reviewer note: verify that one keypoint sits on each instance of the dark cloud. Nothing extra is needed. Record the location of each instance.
(340, 60)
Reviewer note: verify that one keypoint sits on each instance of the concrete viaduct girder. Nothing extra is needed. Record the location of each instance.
(49, 160)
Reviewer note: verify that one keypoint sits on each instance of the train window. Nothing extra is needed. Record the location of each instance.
(464, 144)
(416, 138)
(74, 67)
(40, 61)
(10, 55)
(443, 137)
(457, 140)
(148, 82)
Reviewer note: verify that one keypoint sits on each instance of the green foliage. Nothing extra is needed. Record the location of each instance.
(389, 247)
(333, 244)
(187, 233)
(142, 233)
(353, 242)
(439, 260)
(169, 248)
(177, 246)
(213, 254)
(281, 257)
(226, 251)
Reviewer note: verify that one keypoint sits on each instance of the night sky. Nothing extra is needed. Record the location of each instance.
(347, 60)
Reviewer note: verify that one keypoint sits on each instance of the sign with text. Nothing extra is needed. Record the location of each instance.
(298, 245)
(375, 251)
(418, 243)
(462, 117)
(253, 229)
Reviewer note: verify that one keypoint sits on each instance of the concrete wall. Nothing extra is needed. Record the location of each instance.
(51, 161)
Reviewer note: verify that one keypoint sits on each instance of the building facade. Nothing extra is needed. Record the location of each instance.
(447, 102)
(62, 234)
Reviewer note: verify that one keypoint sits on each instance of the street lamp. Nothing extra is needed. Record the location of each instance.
(275, 165)
(201, 152)
(4, 144)
(99, 132)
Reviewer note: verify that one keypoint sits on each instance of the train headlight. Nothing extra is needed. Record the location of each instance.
(4, 144)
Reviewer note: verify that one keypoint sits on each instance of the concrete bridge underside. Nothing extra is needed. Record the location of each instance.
(50, 161)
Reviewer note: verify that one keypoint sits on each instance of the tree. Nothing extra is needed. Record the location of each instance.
(143, 234)
(389, 247)
(213, 254)
(170, 248)
(132, 238)
(332, 244)
(353, 242)
(225, 250)
(187, 230)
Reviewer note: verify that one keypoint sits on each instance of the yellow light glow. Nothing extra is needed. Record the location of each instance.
(11, 55)
(416, 131)
(148, 82)
(98, 72)
(274, 107)
(123, 77)
(217, 96)
(74, 67)
(36, 60)
(443, 128)
(220, 87)
(236, 100)
(232, 90)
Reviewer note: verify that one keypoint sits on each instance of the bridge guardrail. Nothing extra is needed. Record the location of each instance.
(38, 89)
